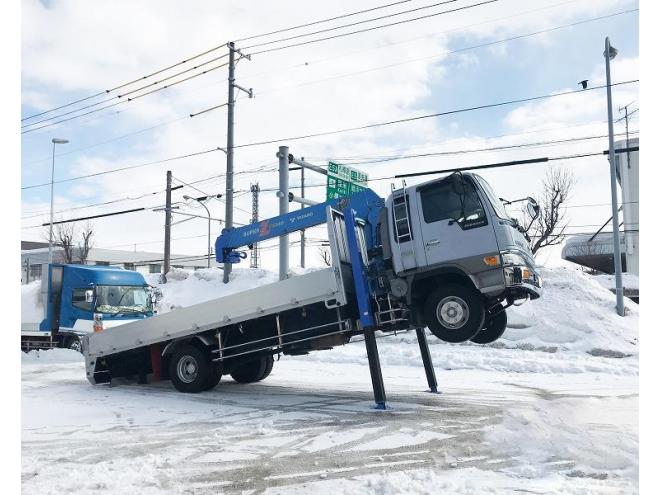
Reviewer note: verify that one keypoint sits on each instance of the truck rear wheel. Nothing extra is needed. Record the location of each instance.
(454, 313)
(494, 328)
(190, 370)
(254, 370)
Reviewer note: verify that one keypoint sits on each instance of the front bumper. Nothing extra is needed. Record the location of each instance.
(522, 281)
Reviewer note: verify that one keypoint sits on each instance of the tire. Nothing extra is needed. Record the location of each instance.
(214, 376)
(253, 370)
(270, 361)
(454, 313)
(74, 343)
(493, 329)
(190, 370)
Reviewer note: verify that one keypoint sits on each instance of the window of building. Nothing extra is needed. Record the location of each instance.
(129, 266)
(103, 263)
(78, 300)
(35, 272)
(155, 268)
(440, 201)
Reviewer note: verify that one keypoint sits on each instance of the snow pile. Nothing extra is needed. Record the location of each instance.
(185, 288)
(51, 356)
(575, 313)
(31, 308)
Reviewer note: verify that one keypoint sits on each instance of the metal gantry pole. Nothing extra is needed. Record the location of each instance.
(302, 205)
(254, 256)
(168, 225)
(229, 179)
(610, 53)
(283, 194)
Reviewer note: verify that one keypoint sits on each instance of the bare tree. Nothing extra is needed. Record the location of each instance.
(63, 237)
(85, 243)
(325, 257)
(547, 229)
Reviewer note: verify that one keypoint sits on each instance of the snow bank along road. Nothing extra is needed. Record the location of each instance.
(552, 409)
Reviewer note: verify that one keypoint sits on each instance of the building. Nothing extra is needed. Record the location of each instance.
(596, 250)
(33, 259)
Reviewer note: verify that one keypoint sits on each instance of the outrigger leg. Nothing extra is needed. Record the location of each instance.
(374, 368)
(426, 359)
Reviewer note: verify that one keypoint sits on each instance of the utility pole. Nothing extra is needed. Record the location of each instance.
(610, 53)
(229, 192)
(254, 256)
(168, 225)
(302, 205)
(283, 194)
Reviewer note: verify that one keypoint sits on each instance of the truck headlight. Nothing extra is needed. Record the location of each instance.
(509, 259)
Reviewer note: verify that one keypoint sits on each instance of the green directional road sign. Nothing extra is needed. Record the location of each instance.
(344, 181)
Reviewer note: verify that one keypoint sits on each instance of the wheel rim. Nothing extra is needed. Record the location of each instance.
(187, 369)
(452, 312)
(76, 345)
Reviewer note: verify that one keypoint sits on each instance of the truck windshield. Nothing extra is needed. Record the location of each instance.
(500, 211)
(115, 299)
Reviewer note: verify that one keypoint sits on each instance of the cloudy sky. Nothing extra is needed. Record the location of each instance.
(77, 48)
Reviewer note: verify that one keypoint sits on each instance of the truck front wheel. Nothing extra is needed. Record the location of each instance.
(495, 326)
(74, 343)
(254, 370)
(190, 370)
(454, 313)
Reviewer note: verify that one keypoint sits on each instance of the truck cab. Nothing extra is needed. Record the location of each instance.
(458, 255)
(81, 299)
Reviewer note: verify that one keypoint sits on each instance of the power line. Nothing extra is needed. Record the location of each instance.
(120, 169)
(334, 28)
(92, 105)
(350, 129)
(160, 71)
(449, 52)
(312, 23)
(341, 35)
(127, 100)
(432, 115)
(460, 28)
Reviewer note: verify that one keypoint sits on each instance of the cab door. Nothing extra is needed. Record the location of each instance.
(454, 222)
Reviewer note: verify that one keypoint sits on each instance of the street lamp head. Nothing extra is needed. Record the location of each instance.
(60, 141)
(612, 54)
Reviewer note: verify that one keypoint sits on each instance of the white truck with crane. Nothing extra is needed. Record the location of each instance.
(443, 254)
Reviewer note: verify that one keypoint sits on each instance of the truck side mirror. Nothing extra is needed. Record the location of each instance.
(89, 296)
(533, 208)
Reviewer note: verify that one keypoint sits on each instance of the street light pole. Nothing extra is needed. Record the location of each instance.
(208, 239)
(610, 53)
(52, 182)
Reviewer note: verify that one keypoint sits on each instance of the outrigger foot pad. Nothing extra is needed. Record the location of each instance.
(434, 390)
(381, 406)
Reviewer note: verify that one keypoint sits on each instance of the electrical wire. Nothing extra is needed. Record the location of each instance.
(341, 35)
(128, 100)
(356, 23)
(432, 115)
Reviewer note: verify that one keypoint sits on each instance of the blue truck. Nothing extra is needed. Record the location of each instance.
(80, 299)
(443, 254)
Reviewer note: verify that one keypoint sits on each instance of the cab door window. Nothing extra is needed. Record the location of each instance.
(78, 300)
(444, 201)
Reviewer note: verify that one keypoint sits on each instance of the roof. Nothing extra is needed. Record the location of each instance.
(30, 245)
(102, 275)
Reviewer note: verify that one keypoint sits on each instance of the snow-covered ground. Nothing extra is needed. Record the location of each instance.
(550, 408)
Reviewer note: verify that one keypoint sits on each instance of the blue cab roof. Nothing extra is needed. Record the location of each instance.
(101, 275)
